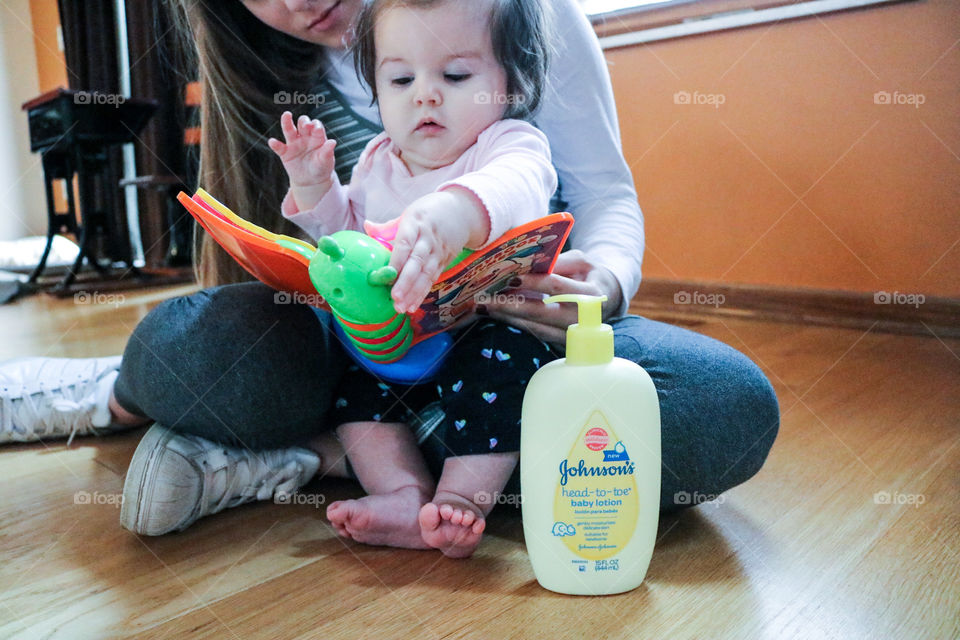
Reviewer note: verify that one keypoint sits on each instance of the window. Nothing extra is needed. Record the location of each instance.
(621, 23)
(596, 7)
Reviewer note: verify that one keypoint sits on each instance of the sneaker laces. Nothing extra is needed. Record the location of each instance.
(57, 411)
(249, 475)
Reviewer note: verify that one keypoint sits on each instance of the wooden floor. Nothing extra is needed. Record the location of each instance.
(805, 549)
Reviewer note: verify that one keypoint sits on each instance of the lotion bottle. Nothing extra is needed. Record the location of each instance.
(590, 463)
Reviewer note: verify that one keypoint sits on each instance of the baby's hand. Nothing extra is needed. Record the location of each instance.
(431, 234)
(307, 157)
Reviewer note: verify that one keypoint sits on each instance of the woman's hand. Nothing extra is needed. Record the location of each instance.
(307, 157)
(432, 231)
(573, 272)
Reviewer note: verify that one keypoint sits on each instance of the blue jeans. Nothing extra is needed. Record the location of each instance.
(231, 365)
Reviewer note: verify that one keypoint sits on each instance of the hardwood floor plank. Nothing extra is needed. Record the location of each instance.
(805, 549)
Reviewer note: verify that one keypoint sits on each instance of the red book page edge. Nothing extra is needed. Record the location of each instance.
(217, 225)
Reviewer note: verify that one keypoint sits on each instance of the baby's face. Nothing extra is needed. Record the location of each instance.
(437, 64)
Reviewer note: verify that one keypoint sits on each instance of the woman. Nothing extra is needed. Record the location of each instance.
(238, 385)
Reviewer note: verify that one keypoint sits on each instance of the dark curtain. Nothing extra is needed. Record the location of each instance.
(89, 32)
(157, 72)
(90, 49)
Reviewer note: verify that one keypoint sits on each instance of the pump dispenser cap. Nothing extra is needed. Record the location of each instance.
(589, 341)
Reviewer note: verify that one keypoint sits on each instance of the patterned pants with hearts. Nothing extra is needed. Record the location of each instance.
(480, 388)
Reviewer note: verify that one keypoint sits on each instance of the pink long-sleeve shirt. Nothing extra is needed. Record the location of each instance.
(508, 169)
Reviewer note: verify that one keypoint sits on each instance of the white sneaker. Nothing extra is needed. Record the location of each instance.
(175, 479)
(48, 398)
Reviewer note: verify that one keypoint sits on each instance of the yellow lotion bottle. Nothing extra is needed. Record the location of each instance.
(590, 463)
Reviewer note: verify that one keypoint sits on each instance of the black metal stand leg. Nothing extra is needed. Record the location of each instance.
(78, 263)
(52, 220)
(43, 259)
(81, 229)
(92, 260)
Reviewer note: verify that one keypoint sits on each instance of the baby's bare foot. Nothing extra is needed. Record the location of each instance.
(388, 519)
(452, 524)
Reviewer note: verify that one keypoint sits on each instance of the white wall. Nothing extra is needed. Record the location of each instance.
(22, 202)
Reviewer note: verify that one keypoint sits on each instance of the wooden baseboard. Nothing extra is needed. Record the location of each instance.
(114, 280)
(888, 311)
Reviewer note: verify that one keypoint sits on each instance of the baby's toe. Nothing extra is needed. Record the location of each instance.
(479, 526)
(429, 516)
(336, 513)
(446, 511)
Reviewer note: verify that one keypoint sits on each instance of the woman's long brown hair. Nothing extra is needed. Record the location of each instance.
(242, 65)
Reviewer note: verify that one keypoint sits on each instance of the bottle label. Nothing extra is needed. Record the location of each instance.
(596, 507)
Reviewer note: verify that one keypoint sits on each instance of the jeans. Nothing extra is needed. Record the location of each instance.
(231, 365)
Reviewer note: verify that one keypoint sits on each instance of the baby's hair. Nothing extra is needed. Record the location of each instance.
(521, 44)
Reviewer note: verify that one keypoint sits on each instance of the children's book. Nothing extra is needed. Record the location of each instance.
(529, 248)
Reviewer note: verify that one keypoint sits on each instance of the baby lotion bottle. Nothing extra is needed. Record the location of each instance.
(590, 463)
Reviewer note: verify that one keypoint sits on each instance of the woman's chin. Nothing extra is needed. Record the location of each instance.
(321, 39)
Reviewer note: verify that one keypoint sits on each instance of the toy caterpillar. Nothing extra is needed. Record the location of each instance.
(350, 270)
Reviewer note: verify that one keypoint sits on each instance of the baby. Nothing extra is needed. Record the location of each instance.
(458, 168)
